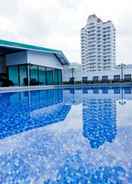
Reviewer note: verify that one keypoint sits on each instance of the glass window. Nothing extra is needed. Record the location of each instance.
(127, 77)
(34, 75)
(59, 77)
(116, 77)
(13, 75)
(38, 75)
(84, 79)
(55, 76)
(105, 77)
(95, 78)
(42, 75)
(23, 75)
(49, 75)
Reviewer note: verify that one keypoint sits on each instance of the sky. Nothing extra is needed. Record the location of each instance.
(57, 23)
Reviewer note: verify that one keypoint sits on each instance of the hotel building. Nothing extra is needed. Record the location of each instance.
(98, 55)
(97, 45)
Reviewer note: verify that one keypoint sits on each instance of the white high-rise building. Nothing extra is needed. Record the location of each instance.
(98, 45)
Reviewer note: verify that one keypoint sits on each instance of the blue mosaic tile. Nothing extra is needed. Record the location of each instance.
(66, 136)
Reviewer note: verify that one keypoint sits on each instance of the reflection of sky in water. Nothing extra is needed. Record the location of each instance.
(66, 136)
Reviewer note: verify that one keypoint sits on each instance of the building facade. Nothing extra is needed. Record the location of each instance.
(98, 45)
(118, 73)
(31, 65)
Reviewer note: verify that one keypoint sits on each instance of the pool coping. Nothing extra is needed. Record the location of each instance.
(45, 87)
(24, 88)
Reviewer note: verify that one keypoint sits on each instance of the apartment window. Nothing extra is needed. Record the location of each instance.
(95, 78)
(23, 75)
(117, 77)
(127, 77)
(105, 77)
(84, 79)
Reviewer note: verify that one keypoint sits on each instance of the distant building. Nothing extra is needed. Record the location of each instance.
(98, 55)
(73, 70)
(98, 45)
(115, 74)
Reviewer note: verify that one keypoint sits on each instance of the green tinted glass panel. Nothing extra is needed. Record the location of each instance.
(55, 76)
(33, 75)
(49, 77)
(23, 75)
(59, 77)
(42, 75)
(13, 75)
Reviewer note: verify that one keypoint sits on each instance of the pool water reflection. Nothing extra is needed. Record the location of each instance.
(70, 136)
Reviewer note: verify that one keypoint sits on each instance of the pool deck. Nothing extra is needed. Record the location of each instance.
(31, 88)
(24, 88)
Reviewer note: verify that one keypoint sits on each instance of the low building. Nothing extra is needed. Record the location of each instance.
(24, 64)
(118, 73)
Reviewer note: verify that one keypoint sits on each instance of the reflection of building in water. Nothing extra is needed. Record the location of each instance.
(72, 96)
(99, 119)
(28, 110)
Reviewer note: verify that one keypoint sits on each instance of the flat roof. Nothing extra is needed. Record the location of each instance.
(9, 46)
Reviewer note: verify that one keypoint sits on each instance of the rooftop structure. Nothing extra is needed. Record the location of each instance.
(26, 64)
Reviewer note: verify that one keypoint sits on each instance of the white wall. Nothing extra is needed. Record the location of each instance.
(33, 57)
(78, 74)
(16, 58)
(43, 59)
(110, 74)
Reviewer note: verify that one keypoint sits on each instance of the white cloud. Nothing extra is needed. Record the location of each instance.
(57, 23)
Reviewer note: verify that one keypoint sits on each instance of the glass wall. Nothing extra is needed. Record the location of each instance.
(49, 72)
(38, 75)
(42, 75)
(55, 76)
(59, 76)
(23, 75)
(13, 75)
(34, 80)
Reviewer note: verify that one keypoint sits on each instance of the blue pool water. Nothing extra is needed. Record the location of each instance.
(66, 136)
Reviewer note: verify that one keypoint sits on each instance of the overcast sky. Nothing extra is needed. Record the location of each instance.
(57, 23)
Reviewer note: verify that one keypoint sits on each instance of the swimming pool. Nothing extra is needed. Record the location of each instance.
(70, 136)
